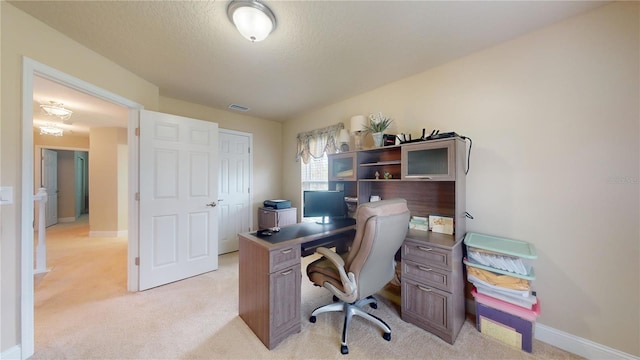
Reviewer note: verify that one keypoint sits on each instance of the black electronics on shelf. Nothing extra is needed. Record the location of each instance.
(277, 204)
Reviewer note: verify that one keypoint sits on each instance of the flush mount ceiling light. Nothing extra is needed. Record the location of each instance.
(51, 129)
(254, 20)
(56, 109)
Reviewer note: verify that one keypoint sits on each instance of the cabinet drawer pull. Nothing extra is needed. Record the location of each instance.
(424, 288)
(286, 251)
(423, 268)
(284, 273)
(424, 248)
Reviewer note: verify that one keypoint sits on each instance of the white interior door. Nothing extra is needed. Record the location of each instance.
(178, 197)
(50, 182)
(235, 179)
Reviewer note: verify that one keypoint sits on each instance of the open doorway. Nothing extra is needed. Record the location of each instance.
(86, 258)
(33, 70)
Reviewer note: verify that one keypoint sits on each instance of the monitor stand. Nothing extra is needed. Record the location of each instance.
(326, 220)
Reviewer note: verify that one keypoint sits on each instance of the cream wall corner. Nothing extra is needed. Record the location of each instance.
(554, 119)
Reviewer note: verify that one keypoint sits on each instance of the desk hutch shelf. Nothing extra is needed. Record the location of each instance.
(430, 176)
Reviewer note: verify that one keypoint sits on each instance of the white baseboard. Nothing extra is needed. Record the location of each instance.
(118, 233)
(38, 272)
(568, 342)
(14, 353)
(67, 220)
(577, 345)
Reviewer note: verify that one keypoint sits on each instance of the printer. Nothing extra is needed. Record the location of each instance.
(277, 204)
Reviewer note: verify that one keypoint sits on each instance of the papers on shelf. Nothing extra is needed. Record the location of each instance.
(441, 224)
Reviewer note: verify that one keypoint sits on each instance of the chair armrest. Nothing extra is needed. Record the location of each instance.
(348, 281)
(332, 256)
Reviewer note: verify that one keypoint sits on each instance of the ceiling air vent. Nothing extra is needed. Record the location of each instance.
(238, 107)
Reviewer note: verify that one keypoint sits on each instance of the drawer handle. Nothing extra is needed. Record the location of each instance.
(424, 288)
(424, 268)
(286, 251)
(284, 273)
(424, 248)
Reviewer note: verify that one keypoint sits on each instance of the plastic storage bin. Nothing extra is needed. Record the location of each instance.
(507, 323)
(505, 261)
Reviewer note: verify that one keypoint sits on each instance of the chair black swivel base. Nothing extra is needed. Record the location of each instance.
(349, 310)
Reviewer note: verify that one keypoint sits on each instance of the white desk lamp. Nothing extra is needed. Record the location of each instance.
(358, 123)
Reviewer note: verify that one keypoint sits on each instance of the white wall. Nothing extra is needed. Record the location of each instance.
(554, 120)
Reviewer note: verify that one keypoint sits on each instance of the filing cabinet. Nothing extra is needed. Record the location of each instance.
(432, 283)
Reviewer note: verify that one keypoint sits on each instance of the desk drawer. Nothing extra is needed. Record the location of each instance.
(427, 254)
(428, 275)
(283, 258)
(425, 306)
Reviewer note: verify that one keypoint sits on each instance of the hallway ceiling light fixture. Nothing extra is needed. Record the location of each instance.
(254, 20)
(51, 129)
(56, 109)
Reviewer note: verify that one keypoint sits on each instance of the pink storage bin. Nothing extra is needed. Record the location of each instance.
(529, 315)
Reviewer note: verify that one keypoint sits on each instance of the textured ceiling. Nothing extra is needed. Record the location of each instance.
(321, 51)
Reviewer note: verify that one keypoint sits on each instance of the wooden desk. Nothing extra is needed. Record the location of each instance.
(270, 275)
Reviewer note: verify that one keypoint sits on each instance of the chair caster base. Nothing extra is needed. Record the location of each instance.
(386, 336)
(344, 349)
(312, 319)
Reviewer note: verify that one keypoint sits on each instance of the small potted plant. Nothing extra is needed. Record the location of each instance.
(378, 123)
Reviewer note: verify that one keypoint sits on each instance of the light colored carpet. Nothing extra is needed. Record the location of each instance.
(83, 311)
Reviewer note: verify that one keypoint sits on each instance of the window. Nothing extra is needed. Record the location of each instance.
(313, 147)
(315, 174)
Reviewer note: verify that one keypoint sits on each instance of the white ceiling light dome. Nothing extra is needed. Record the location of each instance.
(254, 20)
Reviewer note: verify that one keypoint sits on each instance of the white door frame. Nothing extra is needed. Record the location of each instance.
(31, 68)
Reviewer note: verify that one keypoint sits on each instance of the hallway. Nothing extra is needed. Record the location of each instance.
(83, 270)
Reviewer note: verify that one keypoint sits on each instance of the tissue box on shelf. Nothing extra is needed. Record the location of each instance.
(507, 323)
(419, 223)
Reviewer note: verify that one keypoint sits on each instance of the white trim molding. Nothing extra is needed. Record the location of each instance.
(577, 345)
(13, 353)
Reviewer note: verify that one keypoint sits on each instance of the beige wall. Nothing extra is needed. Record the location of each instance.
(554, 120)
(107, 168)
(267, 145)
(23, 35)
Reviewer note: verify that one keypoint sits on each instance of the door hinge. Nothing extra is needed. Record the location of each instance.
(137, 261)
(249, 190)
(137, 131)
(137, 196)
(249, 150)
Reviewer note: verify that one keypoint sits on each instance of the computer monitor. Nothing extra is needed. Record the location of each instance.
(324, 203)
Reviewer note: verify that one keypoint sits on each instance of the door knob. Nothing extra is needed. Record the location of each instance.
(212, 204)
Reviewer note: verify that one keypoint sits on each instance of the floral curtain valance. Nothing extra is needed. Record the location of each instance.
(316, 142)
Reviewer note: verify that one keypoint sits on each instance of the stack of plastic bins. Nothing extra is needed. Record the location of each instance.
(501, 272)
